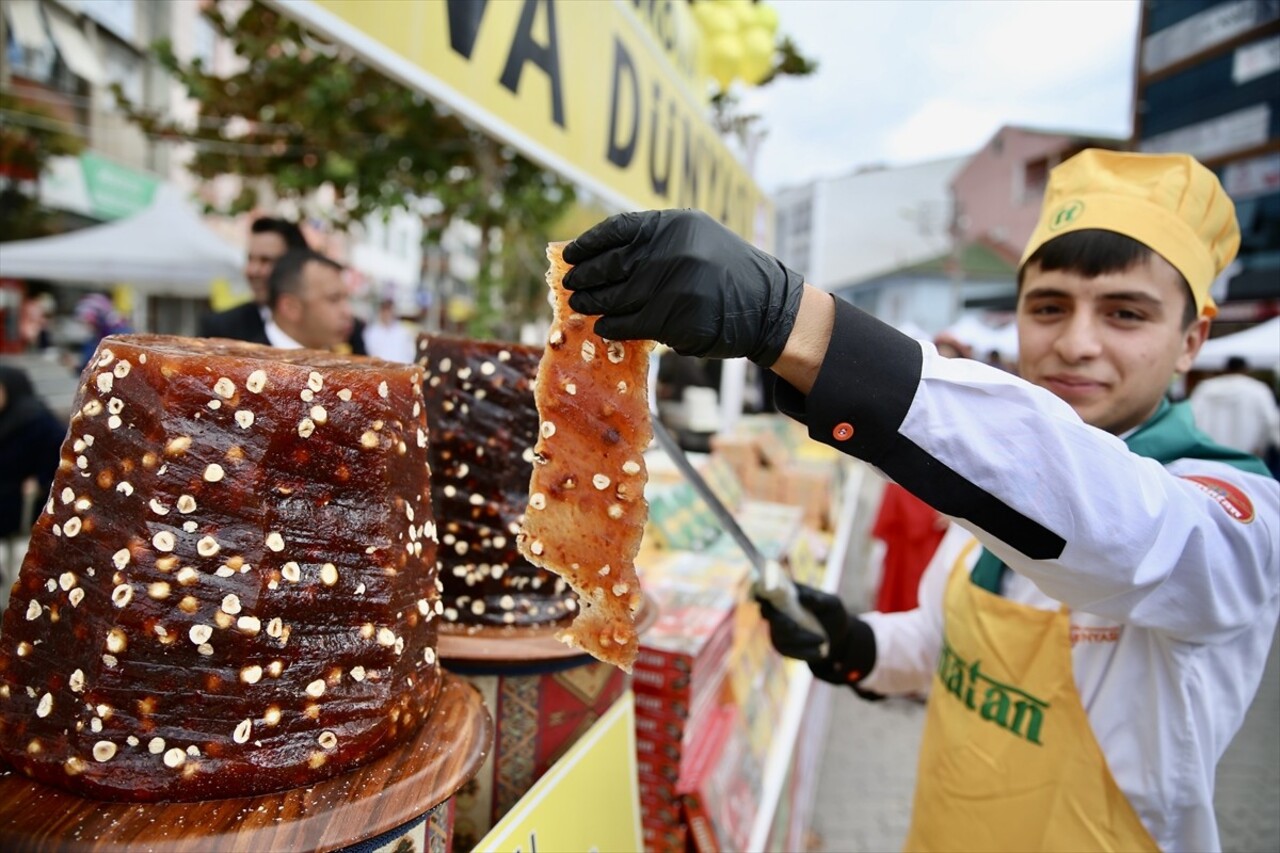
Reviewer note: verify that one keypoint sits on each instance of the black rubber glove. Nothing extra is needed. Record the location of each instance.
(680, 277)
(852, 650)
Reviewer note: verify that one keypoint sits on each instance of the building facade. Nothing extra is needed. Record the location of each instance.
(996, 195)
(1208, 84)
(60, 62)
(842, 230)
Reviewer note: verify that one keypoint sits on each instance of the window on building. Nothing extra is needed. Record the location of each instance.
(33, 63)
(203, 40)
(30, 49)
(802, 218)
(1035, 177)
(124, 67)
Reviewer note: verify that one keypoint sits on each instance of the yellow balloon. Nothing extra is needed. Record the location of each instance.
(724, 55)
(744, 11)
(767, 17)
(714, 18)
(757, 55)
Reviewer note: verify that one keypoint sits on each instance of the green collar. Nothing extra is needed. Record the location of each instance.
(1170, 435)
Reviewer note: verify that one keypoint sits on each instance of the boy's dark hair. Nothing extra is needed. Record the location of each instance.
(1092, 252)
(289, 232)
(286, 276)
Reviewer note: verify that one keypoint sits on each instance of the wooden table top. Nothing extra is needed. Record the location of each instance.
(392, 790)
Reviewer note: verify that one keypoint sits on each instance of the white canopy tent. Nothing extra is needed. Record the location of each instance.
(1259, 346)
(913, 330)
(162, 249)
(984, 339)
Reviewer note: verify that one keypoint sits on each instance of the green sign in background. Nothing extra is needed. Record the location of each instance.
(115, 191)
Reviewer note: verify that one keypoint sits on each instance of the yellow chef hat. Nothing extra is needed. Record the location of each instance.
(1168, 202)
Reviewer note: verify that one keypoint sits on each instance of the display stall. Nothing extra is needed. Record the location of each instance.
(727, 735)
(544, 697)
(727, 730)
(711, 743)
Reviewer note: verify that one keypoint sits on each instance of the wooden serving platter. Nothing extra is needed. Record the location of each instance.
(495, 646)
(393, 790)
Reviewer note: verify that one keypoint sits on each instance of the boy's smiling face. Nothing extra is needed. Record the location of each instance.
(1109, 345)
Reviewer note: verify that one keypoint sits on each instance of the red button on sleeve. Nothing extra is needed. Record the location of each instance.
(842, 432)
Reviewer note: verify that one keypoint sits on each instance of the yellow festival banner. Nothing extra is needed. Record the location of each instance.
(606, 92)
(588, 800)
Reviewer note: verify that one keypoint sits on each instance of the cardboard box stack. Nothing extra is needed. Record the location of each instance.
(763, 461)
(721, 793)
(678, 679)
(709, 689)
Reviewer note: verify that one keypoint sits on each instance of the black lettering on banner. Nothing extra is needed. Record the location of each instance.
(664, 23)
(689, 174)
(660, 13)
(660, 183)
(547, 57)
(464, 24)
(710, 167)
(620, 153)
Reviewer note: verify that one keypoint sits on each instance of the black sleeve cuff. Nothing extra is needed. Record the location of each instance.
(864, 387)
(864, 390)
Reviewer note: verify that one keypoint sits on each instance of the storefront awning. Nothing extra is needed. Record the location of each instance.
(28, 29)
(74, 48)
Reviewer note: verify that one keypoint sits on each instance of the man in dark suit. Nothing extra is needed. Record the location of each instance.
(269, 240)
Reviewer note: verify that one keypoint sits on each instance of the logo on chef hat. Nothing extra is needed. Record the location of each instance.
(1066, 214)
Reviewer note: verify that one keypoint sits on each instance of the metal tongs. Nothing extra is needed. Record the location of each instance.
(769, 582)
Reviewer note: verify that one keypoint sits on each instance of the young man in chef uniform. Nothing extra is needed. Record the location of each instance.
(1095, 625)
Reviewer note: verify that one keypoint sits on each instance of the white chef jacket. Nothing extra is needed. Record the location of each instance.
(1173, 584)
(1238, 411)
(279, 338)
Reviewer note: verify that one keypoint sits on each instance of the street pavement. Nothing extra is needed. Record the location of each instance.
(868, 770)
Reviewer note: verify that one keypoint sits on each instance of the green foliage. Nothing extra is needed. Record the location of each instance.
(301, 115)
(29, 137)
(304, 114)
(515, 203)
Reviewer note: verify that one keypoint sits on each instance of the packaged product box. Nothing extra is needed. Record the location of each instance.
(721, 572)
(739, 452)
(660, 838)
(659, 752)
(679, 673)
(813, 490)
(704, 786)
(723, 480)
(661, 811)
(755, 458)
(771, 527)
(666, 730)
(807, 562)
(656, 734)
(790, 433)
(650, 767)
(679, 519)
(661, 706)
(694, 594)
(657, 788)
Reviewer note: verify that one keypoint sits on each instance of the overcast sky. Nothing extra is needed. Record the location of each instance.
(902, 81)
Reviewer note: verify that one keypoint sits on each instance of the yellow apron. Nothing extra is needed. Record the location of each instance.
(1009, 761)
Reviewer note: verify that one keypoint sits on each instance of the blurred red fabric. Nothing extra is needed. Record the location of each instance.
(911, 531)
